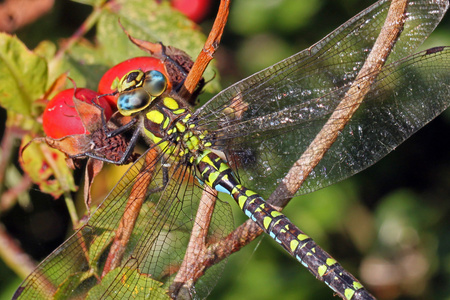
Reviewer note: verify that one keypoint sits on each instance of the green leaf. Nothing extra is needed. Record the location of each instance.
(98, 247)
(65, 290)
(42, 163)
(23, 75)
(45, 49)
(132, 279)
(251, 17)
(90, 2)
(85, 72)
(150, 21)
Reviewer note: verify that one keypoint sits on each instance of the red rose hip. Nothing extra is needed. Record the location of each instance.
(60, 117)
(196, 10)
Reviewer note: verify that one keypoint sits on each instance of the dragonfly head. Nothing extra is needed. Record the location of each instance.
(137, 89)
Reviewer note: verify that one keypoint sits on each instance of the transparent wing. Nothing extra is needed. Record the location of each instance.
(266, 121)
(139, 234)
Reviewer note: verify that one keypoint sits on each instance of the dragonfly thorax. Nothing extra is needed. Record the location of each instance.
(169, 125)
(167, 122)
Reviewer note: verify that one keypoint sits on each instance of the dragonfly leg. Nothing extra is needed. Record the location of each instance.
(113, 132)
(104, 145)
(165, 180)
(131, 144)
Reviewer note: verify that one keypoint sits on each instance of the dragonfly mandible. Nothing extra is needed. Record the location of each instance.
(246, 139)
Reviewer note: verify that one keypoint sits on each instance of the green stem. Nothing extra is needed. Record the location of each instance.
(16, 259)
(71, 208)
(81, 31)
(64, 185)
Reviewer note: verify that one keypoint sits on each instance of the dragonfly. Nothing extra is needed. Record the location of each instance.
(242, 142)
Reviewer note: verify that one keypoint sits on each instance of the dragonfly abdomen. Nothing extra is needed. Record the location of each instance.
(300, 246)
(216, 173)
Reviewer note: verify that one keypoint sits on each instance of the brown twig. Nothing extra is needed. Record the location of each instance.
(193, 266)
(389, 34)
(22, 264)
(131, 213)
(6, 150)
(8, 198)
(80, 32)
(207, 53)
(13, 255)
(195, 261)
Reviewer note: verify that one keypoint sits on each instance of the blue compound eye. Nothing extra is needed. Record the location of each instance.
(133, 101)
(137, 90)
(155, 83)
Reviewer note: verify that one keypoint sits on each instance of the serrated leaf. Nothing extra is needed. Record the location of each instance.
(23, 75)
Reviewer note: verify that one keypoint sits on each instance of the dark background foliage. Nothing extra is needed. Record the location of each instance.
(388, 225)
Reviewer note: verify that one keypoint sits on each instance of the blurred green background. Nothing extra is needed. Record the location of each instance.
(388, 225)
